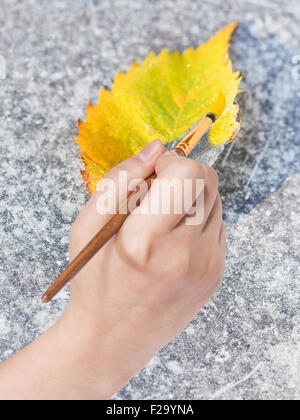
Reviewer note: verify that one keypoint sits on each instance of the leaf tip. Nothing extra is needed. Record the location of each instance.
(228, 30)
(89, 105)
(231, 27)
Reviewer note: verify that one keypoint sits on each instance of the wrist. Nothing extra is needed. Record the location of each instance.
(100, 352)
(66, 363)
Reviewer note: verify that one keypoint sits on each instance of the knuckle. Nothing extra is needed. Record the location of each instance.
(136, 254)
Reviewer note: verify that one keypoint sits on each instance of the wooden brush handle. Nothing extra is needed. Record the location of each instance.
(102, 237)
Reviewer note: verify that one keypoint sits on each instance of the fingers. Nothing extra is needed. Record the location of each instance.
(135, 168)
(167, 160)
(171, 196)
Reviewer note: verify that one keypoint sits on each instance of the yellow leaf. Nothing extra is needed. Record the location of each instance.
(162, 98)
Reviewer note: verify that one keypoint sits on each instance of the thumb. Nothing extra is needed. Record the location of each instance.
(136, 167)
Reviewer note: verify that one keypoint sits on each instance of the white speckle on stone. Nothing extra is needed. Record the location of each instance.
(222, 356)
(174, 367)
(4, 328)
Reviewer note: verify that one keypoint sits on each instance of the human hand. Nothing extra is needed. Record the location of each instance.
(151, 279)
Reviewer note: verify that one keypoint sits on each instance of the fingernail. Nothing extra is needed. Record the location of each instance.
(149, 151)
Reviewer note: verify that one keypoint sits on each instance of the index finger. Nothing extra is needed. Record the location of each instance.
(171, 195)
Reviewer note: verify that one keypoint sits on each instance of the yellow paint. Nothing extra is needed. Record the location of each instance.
(219, 106)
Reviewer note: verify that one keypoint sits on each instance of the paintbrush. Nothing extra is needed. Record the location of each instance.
(184, 148)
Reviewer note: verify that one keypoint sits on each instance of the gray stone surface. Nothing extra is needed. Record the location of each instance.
(243, 345)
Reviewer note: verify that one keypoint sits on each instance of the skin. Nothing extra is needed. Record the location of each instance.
(135, 296)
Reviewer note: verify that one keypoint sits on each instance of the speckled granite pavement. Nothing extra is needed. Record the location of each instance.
(245, 343)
